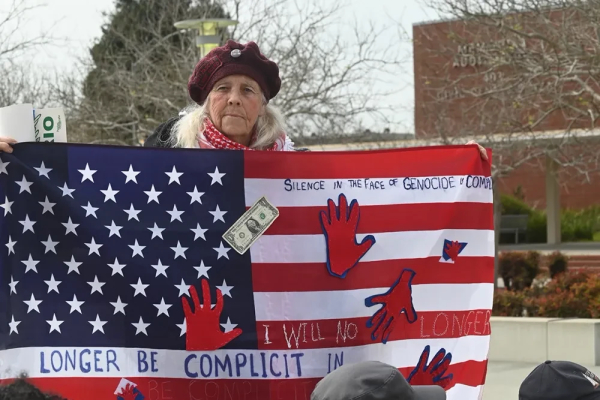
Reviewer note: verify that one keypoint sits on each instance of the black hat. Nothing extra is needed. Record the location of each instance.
(560, 380)
(372, 380)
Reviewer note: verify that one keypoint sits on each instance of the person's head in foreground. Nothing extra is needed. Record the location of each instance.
(21, 389)
(231, 86)
(372, 380)
(560, 380)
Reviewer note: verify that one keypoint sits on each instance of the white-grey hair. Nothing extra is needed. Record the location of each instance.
(269, 126)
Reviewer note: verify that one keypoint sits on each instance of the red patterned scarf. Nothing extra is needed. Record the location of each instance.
(211, 138)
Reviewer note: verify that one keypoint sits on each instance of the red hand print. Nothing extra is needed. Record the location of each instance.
(339, 227)
(395, 301)
(432, 374)
(127, 393)
(203, 331)
(452, 249)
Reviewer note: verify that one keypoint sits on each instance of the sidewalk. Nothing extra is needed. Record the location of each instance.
(504, 378)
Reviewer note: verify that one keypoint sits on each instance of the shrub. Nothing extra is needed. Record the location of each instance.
(557, 264)
(569, 295)
(513, 206)
(518, 269)
(508, 303)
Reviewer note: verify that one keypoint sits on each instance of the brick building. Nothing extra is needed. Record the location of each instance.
(445, 68)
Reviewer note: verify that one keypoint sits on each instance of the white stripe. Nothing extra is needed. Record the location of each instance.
(464, 392)
(280, 197)
(388, 246)
(303, 306)
(314, 363)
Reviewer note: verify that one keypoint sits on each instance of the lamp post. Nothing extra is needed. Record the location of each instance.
(211, 32)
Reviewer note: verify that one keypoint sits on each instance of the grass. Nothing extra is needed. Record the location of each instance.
(596, 237)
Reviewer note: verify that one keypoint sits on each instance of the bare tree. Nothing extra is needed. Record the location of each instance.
(18, 83)
(331, 72)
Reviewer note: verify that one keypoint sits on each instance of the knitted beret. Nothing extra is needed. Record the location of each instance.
(234, 59)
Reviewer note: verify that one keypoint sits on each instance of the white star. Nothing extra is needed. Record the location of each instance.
(228, 326)
(3, 166)
(43, 171)
(13, 285)
(225, 290)
(75, 305)
(174, 176)
(199, 232)
(119, 306)
(49, 245)
(24, 185)
(30, 264)
(140, 327)
(94, 247)
(114, 229)
(73, 265)
(163, 308)
(89, 210)
(13, 324)
(66, 191)
(132, 213)
(179, 251)
(137, 249)
(184, 288)
(216, 177)
(7, 206)
(53, 284)
(32, 304)
(109, 194)
(87, 173)
(54, 324)
(117, 268)
(153, 195)
(156, 231)
(96, 285)
(70, 226)
(202, 269)
(11, 245)
(140, 288)
(47, 206)
(218, 214)
(196, 195)
(98, 324)
(183, 327)
(160, 269)
(175, 215)
(131, 174)
(222, 251)
(27, 224)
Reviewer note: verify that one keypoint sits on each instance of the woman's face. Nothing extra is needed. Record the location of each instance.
(235, 103)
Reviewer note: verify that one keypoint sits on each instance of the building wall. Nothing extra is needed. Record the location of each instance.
(445, 63)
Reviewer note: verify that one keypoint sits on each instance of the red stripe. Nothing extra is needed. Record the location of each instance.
(390, 218)
(309, 277)
(329, 333)
(411, 162)
(470, 373)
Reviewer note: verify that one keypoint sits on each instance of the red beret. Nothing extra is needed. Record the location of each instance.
(234, 59)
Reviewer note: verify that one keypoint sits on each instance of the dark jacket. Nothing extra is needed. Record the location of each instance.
(161, 137)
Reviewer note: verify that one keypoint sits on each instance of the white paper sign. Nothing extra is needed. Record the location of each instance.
(16, 121)
(49, 125)
(24, 124)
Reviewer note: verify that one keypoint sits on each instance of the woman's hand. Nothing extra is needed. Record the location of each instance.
(5, 144)
(481, 149)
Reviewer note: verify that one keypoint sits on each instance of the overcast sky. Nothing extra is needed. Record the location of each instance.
(79, 22)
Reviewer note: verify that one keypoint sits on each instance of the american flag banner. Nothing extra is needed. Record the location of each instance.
(116, 281)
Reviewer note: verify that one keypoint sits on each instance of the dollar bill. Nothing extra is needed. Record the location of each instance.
(246, 230)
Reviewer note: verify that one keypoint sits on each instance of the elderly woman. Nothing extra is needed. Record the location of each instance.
(231, 86)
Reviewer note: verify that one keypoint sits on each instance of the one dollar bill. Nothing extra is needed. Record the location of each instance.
(251, 225)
